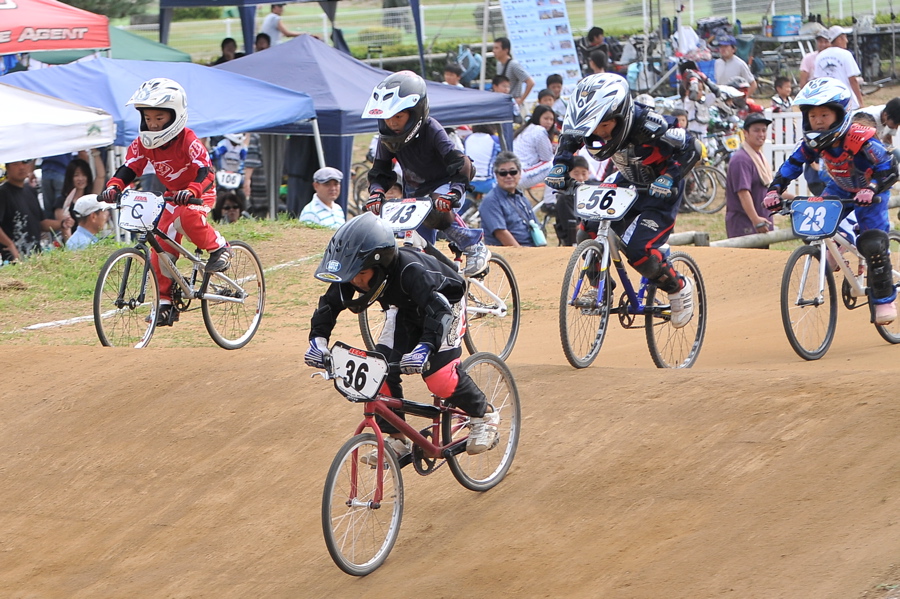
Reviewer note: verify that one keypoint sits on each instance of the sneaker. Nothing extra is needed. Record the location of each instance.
(588, 299)
(682, 305)
(168, 316)
(477, 257)
(219, 260)
(401, 447)
(885, 313)
(484, 435)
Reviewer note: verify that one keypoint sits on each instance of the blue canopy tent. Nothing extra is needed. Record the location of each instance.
(340, 86)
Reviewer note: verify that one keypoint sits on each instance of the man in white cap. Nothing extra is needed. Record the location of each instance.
(807, 65)
(323, 209)
(92, 216)
(838, 63)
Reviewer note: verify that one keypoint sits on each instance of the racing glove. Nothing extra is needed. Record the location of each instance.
(317, 352)
(416, 360)
(558, 178)
(772, 201)
(662, 187)
(373, 204)
(864, 197)
(447, 201)
(110, 195)
(183, 197)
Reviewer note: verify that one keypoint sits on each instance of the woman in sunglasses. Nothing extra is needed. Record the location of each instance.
(229, 207)
(506, 214)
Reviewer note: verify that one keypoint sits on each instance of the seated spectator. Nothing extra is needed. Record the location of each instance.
(482, 147)
(597, 61)
(506, 214)
(21, 217)
(78, 182)
(92, 217)
(546, 98)
(229, 51)
(394, 192)
(323, 209)
(533, 146)
(681, 117)
(230, 207)
(452, 74)
(566, 217)
(262, 42)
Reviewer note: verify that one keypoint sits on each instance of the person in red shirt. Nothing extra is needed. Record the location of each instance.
(182, 164)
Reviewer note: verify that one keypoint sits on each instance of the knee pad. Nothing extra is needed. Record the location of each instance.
(875, 247)
(657, 269)
(439, 220)
(873, 243)
(444, 382)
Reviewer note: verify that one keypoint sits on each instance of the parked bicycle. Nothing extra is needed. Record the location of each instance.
(362, 504)
(126, 297)
(808, 291)
(587, 300)
(493, 308)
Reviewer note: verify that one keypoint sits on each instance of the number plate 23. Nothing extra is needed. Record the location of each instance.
(405, 215)
(815, 218)
(604, 201)
(359, 374)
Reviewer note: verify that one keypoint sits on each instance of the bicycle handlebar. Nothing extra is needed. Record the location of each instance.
(786, 204)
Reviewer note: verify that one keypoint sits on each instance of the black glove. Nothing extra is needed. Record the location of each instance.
(110, 195)
(183, 197)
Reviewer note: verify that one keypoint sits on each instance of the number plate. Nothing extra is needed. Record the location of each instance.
(228, 179)
(405, 215)
(604, 201)
(733, 142)
(815, 218)
(139, 210)
(359, 374)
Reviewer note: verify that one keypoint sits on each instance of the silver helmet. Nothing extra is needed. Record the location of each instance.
(596, 99)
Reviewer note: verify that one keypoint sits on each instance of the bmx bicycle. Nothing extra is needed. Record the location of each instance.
(126, 297)
(586, 300)
(493, 308)
(808, 291)
(362, 504)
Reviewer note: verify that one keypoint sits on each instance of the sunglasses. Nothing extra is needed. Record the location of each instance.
(511, 173)
(231, 207)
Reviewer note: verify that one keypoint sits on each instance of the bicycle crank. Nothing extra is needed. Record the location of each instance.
(626, 317)
(423, 465)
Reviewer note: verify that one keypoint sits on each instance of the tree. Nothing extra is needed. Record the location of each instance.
(114, 9)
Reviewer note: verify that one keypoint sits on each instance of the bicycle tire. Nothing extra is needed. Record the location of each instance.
(702, 190)
(671, 347)
(359, 536)
(810, 327)
(891, 332)
(370, 326)
(356, 204)
(232, 325)
(484, 471)
(489, 332)
(583, 323)
(129, 322)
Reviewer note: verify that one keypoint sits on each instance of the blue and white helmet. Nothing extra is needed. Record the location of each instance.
(599, 98)
(829, 92)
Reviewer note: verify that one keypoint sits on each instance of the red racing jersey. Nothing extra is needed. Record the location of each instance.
(176, 164)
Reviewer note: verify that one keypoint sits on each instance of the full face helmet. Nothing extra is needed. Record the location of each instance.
(398, 92)
(833, 94)
(364, 242)
(599, 98)
(161, 94)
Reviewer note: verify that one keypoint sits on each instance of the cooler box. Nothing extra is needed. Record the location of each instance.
(786, 25)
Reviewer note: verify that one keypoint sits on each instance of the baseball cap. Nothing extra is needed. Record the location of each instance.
(88, 204)
(825, 33)
(726, 40)
(325, 174)
(755, 117)
(835, 31)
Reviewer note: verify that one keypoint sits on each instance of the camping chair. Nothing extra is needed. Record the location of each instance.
(470, 64)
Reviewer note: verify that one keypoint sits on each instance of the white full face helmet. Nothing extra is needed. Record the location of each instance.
(833, 94)
(235, 138)
(599, 98)
(398, 92)
(161, 94)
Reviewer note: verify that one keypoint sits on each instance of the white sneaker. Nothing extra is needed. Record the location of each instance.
(401, 447)
(885, 313)
(682, 304)
(483, 435)
(477, 257)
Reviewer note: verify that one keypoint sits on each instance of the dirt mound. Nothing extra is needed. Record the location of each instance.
(195, 472)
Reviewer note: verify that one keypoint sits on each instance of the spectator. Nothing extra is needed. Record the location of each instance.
(255, 187)
(681, 117)
(274, 28)
(886, 121)
(597, 61)
(697, 96)
(229, 51)
(482, 147)
(594, 40)
(21, 218)
(323, 209)
(500, 84)
(533, 147)
(230, 207)
(79, 181)
(452, 74)
(728, 66)
(520, 82)
(262, 42)
(555, 85)
(781, 101)
(53, 175)
(92, 218)
(546, 98)
(807, 65)
(567, 225)
(505, 211)
(743, 104)
(394, 192)
(837, 62)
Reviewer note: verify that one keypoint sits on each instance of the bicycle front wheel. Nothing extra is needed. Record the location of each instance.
(493, 310)
(671, 347)
(233, 324)
(126, 300)
(583, 313)
(891, 332)
(484, 471)
(371, 324)
(360, 533)
(808, 315)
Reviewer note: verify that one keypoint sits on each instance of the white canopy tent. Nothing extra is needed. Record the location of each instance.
(34, 125)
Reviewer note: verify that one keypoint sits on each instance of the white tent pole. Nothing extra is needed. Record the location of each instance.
(734, 12)
(318, 138)
(589, 13)
(486, 15)
(691, 13)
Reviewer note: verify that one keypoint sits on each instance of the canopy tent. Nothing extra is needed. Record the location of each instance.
(41, 25)
(34, 125)
(124, 45)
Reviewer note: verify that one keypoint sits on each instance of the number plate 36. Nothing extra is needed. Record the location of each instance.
(359, 374)
(815, 218)
(604, 201)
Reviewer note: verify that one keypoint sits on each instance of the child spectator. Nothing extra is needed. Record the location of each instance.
(545, 98)
(568, 225)
(452, 74)
(781, 101)
(681, 117)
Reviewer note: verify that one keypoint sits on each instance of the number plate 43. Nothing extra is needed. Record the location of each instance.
(405, 215)
(359, 374)
(604, 201)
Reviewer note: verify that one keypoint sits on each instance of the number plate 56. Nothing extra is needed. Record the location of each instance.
(603, 202)
(359, 374)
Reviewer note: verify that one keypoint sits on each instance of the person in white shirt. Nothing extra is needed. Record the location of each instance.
(274, 28)
(808, 63)
(323, 209)
(837, 62)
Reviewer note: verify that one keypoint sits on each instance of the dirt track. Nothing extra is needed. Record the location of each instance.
(172, 472)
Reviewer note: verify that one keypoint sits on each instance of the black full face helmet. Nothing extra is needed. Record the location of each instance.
(398, 92)
(364, 242)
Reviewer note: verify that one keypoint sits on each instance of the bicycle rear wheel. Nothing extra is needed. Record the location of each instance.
(891, 332)
(496, 289)
(484, 471)
(702, 190)
(671, 347)
(583, 316)
(809, 318)
(371, 324)
(126, 300)
(233, 324)
(358, 533)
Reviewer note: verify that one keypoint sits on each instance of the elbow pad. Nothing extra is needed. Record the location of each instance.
(459, 167)
(438, 316)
